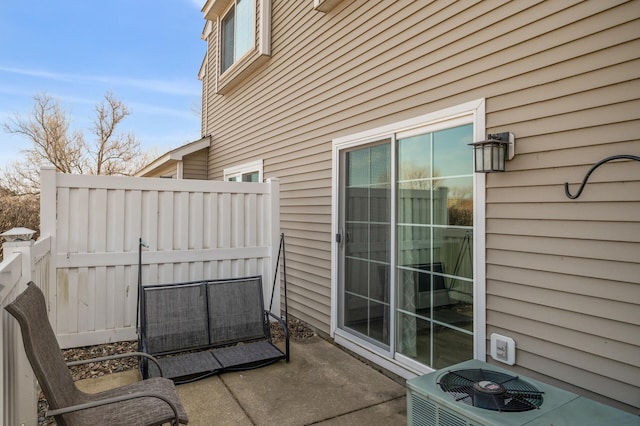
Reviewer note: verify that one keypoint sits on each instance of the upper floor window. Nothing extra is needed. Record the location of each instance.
(237, 32)
(239, 37)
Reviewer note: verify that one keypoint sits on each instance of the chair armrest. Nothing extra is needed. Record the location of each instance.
(112, 400)
(117, 356)
(285, 329)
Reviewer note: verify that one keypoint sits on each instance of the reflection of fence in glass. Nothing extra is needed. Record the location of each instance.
(367, 223)
(416, 211)
(415, 207)
(424, 234)
(367, 248)
(372, 204)
(419, 241)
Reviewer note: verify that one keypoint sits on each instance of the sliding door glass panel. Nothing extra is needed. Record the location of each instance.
(414, 337)
(451, 152)
(457, 312)
(450, 346)
(367, 244)
(435, 246)
(453, 201)
(414, 161)
(454, 250)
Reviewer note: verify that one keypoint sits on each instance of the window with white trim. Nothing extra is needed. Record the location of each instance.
(237, 33)
(241, 32)
(248, 172)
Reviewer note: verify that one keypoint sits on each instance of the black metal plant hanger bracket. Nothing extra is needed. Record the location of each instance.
(595, 166)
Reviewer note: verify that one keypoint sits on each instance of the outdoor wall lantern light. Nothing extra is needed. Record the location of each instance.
(490, 155)
(18, 234)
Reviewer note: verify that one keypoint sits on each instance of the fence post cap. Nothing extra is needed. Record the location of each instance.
(18, 234)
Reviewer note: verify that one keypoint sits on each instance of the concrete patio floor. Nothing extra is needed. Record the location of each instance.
(321, 385)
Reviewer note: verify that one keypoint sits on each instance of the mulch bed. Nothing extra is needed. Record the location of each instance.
(298, 331)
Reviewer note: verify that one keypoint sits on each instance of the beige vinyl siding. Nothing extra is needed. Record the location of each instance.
(204, 77)
(563, 277)
(195, 165)
(209, 87)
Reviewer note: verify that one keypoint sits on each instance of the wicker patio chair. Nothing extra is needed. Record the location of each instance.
(148, 402)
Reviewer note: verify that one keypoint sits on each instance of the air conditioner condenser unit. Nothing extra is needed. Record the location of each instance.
(475, 393)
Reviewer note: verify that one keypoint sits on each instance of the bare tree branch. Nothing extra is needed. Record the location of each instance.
(47, 128)
(112, 153)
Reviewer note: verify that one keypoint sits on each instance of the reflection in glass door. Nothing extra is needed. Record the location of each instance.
(435, 246)
(406, 255)
(366, 249)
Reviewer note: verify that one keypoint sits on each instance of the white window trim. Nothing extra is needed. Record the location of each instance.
(214, 10)
(207, 30)
(476, 111)
(240, 169)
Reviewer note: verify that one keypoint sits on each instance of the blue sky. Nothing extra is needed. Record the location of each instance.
(147, 53)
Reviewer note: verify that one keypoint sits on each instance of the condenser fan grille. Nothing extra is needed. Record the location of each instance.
(491, 390)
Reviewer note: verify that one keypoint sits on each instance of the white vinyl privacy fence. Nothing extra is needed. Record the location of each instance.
(23, 261)
(194, 230)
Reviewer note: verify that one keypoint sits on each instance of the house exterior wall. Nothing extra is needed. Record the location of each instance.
(195, 165)
(563, 276)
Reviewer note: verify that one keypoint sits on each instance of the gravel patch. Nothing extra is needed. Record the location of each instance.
(298, 331)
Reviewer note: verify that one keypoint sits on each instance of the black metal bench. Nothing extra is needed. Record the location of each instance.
(200, 328)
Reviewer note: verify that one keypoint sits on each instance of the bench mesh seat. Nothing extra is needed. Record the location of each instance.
(248, 354)
(224, 320)
(186, 366)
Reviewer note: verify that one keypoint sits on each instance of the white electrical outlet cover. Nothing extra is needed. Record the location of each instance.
(508, 356)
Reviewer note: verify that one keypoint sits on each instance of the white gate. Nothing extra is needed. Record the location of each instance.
(194, 229)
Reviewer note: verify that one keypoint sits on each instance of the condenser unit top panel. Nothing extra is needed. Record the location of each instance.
(585, 412)
(559, 407)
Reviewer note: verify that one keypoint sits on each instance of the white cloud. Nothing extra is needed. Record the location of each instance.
(37, 73)
(145, 108)
(171, 87)
(15, 90)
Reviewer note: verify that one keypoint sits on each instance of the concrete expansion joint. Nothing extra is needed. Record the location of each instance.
(357, 410)
(235, 398)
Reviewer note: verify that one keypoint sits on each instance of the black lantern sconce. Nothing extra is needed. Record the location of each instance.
(491, 155)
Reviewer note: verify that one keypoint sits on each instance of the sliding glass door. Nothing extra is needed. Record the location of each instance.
(406, 244)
